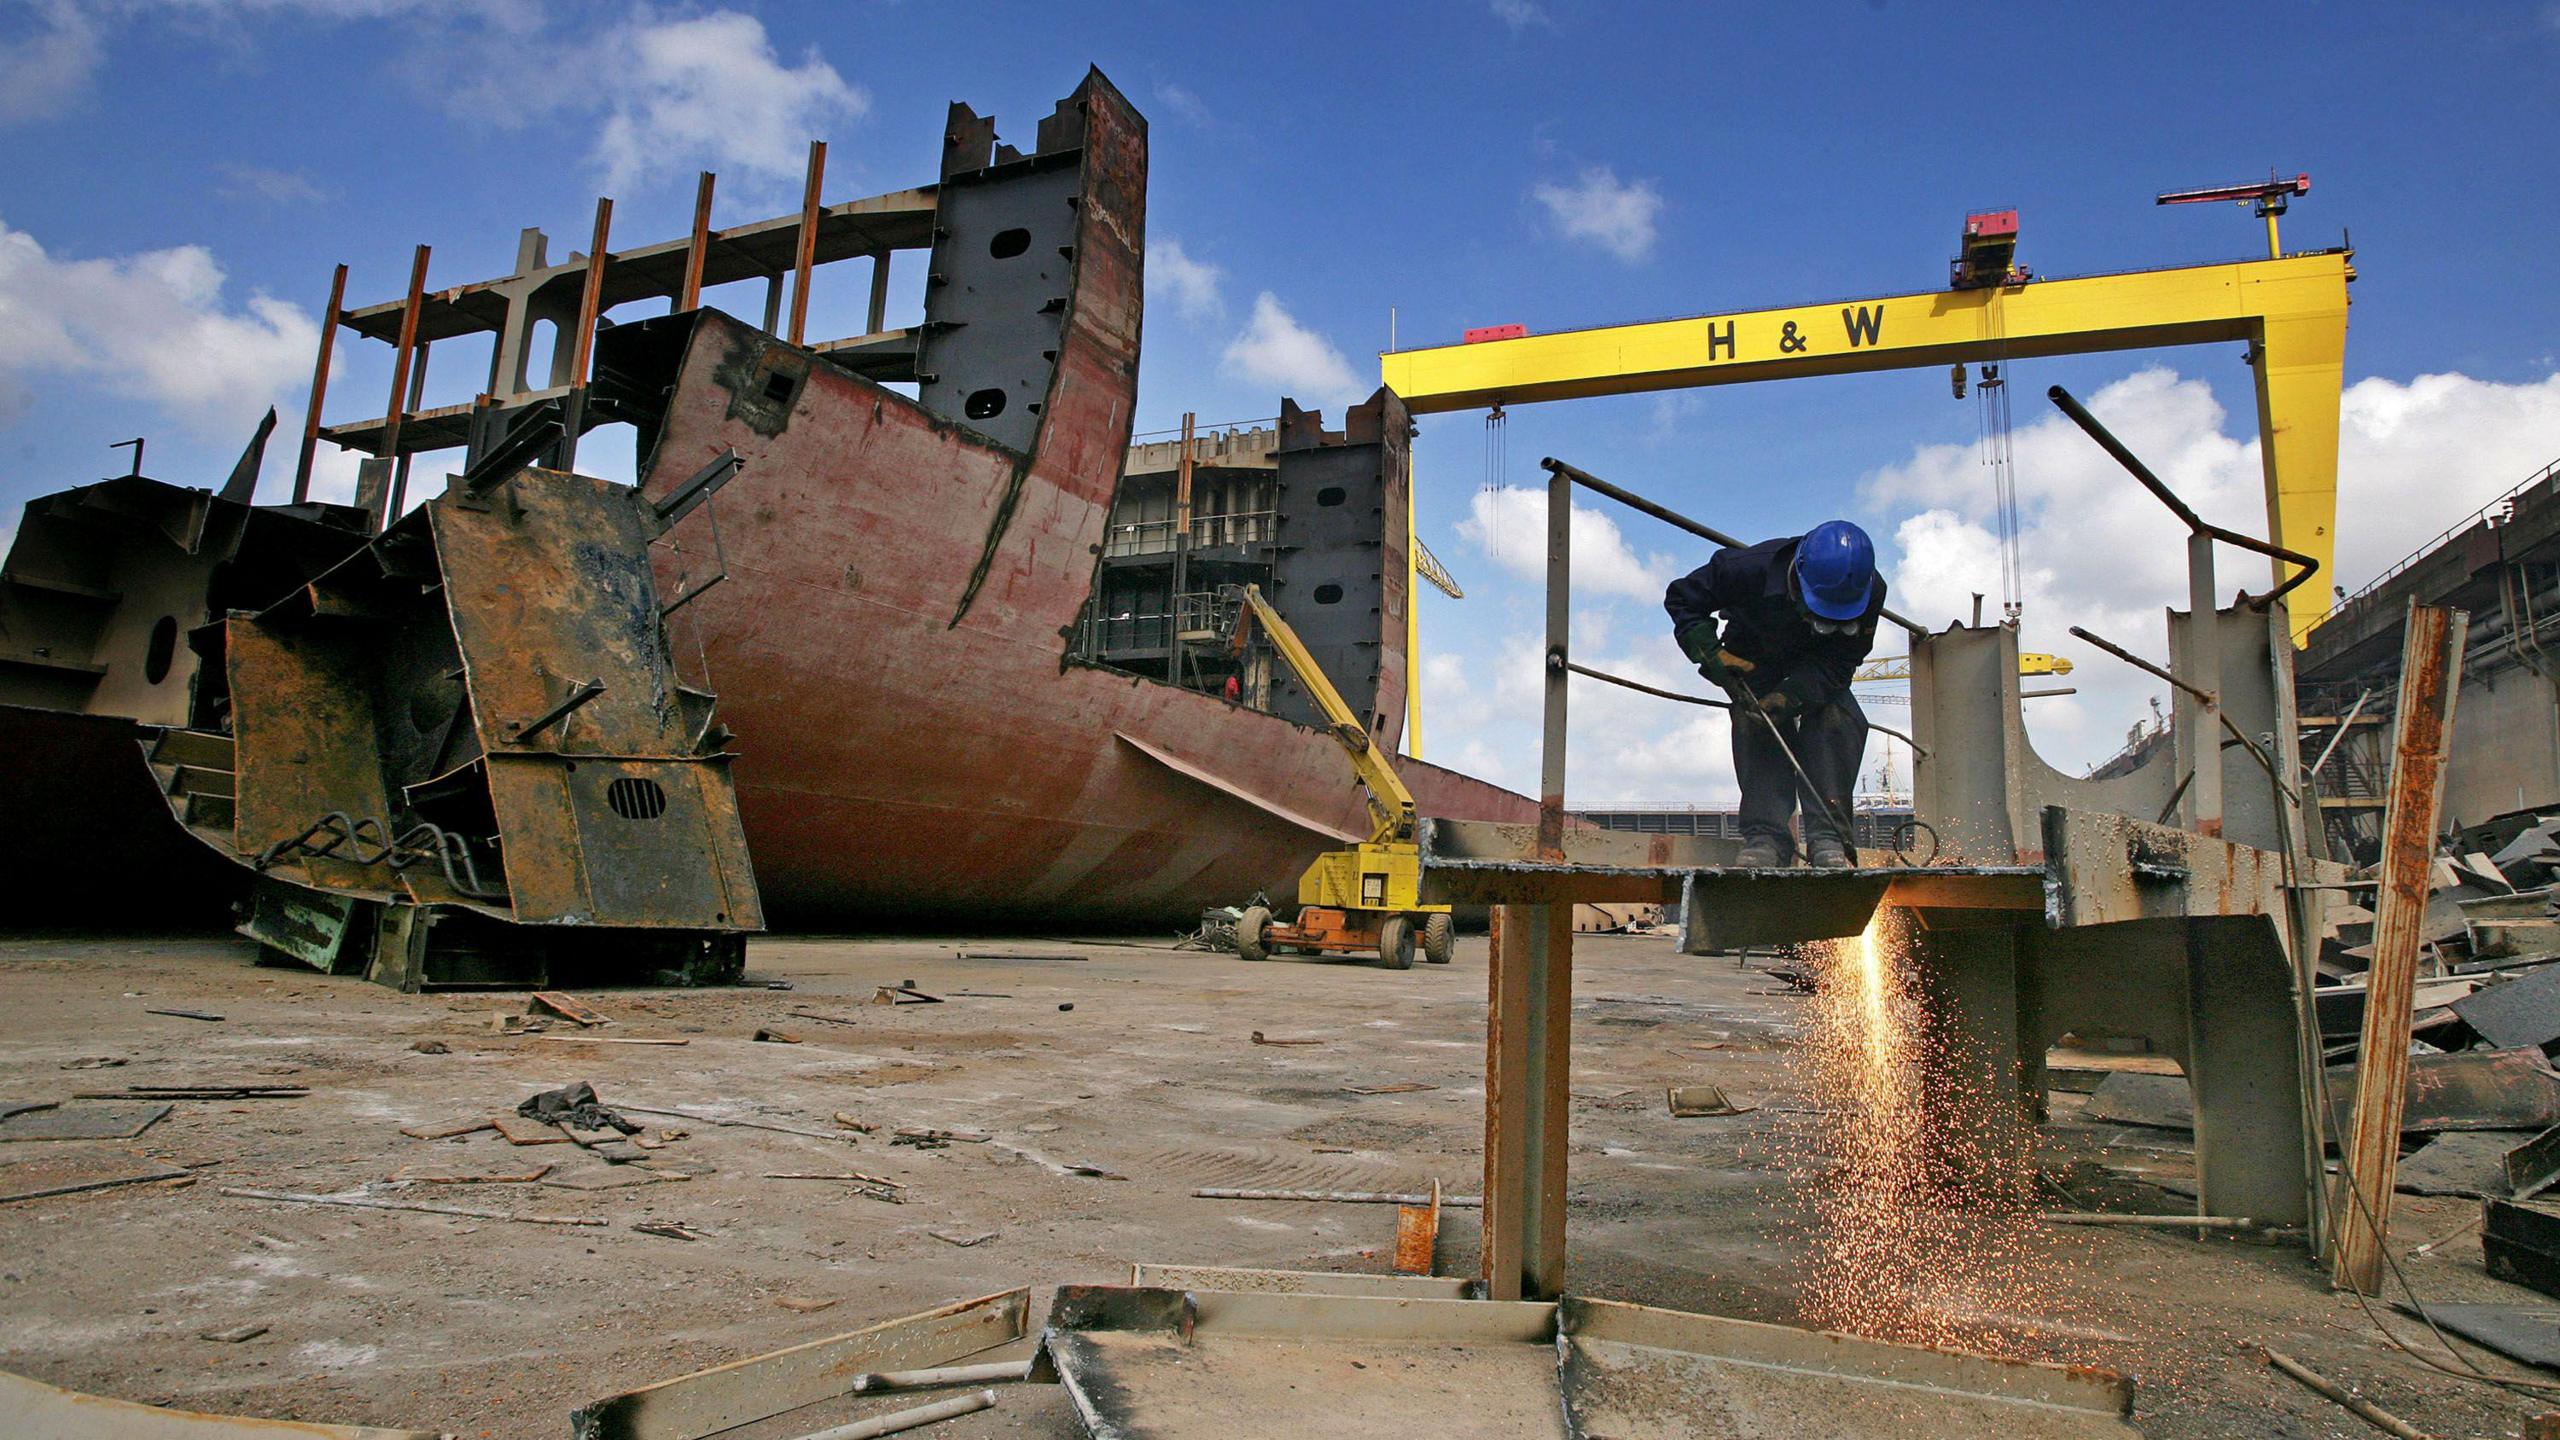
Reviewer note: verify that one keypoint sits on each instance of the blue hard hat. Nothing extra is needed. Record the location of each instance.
(1835, 569)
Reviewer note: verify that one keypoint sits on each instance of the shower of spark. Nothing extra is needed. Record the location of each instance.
(1922, 1223)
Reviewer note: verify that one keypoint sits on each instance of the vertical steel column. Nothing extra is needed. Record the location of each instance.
(400, 464)
(878, 315)
(319, 387)
(374, 485)
(804, 252)
(2430, 680)
(590, 310)
(1528, 1052)
(698, 247)
(2202, 669)
(1181, 652)
(1559, 635)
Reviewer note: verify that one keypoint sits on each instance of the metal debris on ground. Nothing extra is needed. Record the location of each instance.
(37, 1409)
(2321, 1385)
(776, 1037)
(431, 1047)
(742, 1392)
(1343, 1197)
(612, 1040)
(82, 1122)
(1013, 955)
(1261, 1039)
(2520, 1242)
(904, 1420)
(448, 1130)
(991, 1373)
(802, 1305)
(965, 1239)
(670, 1230)
(745, 1124)
(511, 1024)
(903, 993)
(363, 1202)
(1693, 1101)
(2526, 1333)
(520, 1131)
(822, 1018)
(1400, 1087)
(567, 1007)
(928, 1138)
(60, 1170)
(2460, 1162)
(2534, 1166)
(413, 1174)
(197, 1092)
(575, 1106)
(1418, 1235)
(234, 1334)
(2518, 1012)
(184, 1014)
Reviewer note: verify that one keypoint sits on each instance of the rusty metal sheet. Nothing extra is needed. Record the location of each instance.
(303, 725)
(2472, 1090)
(52, 1170)
(1140, 1362)
(724, 1397)
(2107, 869)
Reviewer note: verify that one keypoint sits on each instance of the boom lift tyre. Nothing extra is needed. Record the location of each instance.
(1439, 942)
(1365, 900)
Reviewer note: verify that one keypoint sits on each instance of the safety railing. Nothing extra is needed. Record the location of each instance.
(2503, 503)
(1561, 666)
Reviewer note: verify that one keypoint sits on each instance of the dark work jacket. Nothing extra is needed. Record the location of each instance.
(1751, 588)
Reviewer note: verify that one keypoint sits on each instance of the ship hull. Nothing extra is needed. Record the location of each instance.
(892, 638)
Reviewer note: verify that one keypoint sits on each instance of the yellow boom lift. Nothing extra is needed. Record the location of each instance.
(1366, 900)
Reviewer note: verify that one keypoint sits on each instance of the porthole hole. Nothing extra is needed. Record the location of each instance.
(1331, 495)
(1328, 594)
(1009, 243)
(984, 404)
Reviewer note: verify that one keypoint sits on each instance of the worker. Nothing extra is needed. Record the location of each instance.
(1799, 615)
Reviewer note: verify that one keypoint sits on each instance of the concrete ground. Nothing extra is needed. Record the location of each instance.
(496, 1329)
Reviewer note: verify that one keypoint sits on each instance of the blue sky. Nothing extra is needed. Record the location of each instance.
(183, 173)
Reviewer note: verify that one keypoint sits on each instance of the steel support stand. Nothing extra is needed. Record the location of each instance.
(1528, 1060)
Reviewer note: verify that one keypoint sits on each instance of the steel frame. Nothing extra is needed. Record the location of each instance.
(2060, 904)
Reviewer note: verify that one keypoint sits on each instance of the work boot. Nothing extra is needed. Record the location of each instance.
(1825, 852)
(1759, 852)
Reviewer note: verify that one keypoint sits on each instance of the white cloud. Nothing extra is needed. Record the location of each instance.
(1618, 216)
(1183, 103)
(1509, 525)
(1276, 351)
(2098, 551)
(153, 326)
(708, 91)
(1192, 284)
(275, 187)
(1519, 14)
(44, 69)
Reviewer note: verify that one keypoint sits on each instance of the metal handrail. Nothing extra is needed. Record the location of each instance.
(2196, 524)
(2547, 472)
(1671, 517)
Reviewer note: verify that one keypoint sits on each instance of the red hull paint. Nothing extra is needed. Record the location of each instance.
(911, 748)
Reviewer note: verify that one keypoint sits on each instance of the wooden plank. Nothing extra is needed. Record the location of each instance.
(744, 1391)
(2430, 680)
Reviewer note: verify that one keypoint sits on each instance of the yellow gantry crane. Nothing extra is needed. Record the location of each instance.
(1898, 667)
(1365, 900)
(2289, 310)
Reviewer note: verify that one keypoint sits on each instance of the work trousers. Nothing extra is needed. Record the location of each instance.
(1829, 742)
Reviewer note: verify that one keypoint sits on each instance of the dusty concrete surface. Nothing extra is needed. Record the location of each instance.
(495, 1329)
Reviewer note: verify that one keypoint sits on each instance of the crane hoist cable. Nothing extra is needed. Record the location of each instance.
(1497, 475)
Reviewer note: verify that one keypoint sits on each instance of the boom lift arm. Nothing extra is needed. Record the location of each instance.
(1365, 900)
(1391, 814)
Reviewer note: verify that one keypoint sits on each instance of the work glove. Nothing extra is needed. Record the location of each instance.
(1697, 640)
